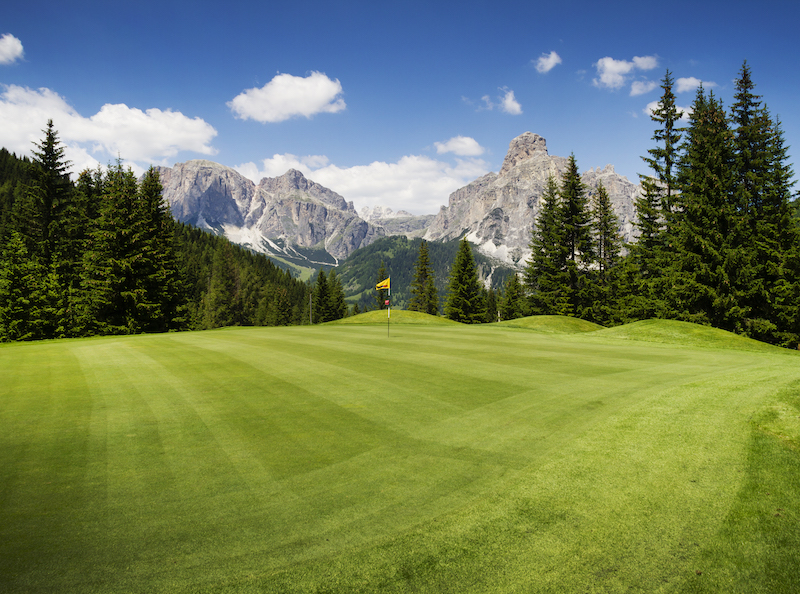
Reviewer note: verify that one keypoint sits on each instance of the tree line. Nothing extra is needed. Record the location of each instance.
(718, 238)
(103, 255)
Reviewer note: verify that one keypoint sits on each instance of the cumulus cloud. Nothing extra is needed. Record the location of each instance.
(287, 96)
(144, 137)
(418, 184)
(509, 104)
(641, 87)
(463, 146)
(614, 74)
(10, 49)
(684, 85)
(546, 62)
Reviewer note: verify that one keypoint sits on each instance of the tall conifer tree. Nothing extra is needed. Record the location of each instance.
(424, 296)
(465, 301)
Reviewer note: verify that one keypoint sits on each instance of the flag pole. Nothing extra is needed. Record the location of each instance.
(389, 310)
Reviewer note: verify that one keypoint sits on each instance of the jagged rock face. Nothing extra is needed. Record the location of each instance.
(277, 216)
(396, 223)
(497, 211)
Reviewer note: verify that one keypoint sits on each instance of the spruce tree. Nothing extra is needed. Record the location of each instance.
(337, 306)
(703, 229)
(608, 243)
(322, 299)
(512, 303)
(546, 276)
(465, 301)
(424, 296)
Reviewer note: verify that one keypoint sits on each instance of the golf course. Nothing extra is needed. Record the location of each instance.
(544, 454)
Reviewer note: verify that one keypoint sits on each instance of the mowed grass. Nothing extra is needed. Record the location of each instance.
(443, 458)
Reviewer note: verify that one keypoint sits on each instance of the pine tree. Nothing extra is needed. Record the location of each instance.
(322, 299)
(465, 301)
(608, 244)
(546, 276)
(703, 224)
(424, 296)
(664, 157)
(512, 303)
(337, 306)
(22, 293)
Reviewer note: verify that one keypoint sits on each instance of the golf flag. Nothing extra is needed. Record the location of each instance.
(384, 284)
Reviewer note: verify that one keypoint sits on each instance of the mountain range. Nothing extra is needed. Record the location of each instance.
(293, 218)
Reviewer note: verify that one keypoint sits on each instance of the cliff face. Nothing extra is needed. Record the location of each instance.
(287, 215)
(497, 211)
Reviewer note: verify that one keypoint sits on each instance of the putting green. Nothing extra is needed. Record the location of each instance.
(443, 458)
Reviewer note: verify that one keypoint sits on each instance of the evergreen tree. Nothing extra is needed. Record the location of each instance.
(424, 296)
(703, 229)
(465, 301)
(512, 303)
(337, 305)
(490, 298)
(22, 293)
(664, 157)
(608, 243)
(322, 299)
(546, 276)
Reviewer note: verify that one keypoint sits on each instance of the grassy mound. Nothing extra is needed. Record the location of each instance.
(399, 316)
(686, 334)
(552, 324)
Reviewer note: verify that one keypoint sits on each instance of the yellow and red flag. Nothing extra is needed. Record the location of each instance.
(384, 284)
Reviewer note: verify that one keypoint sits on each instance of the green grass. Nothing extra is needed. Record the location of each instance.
(444, 458)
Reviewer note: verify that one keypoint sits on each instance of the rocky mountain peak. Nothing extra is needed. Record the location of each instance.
(523, 147)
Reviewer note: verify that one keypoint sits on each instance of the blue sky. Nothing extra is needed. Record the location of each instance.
(387, 103)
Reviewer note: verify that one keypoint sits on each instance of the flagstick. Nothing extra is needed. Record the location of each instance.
(389, 310)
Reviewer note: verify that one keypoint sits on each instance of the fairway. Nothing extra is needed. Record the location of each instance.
(442, 458)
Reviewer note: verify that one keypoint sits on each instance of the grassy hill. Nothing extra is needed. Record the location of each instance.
(443, 458)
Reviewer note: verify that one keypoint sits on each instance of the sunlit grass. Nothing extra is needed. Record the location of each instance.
(441, 458)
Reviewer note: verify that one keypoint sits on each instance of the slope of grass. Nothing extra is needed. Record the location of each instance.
(552, 324)
(445, 458)
(398, 316)
(675, 332)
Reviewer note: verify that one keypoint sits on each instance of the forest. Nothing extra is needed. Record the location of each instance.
(717, 244)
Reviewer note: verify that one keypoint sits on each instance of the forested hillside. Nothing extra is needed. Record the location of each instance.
(103, 255)
(398, 255)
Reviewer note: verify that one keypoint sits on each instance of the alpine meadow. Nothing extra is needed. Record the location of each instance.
(408, 403)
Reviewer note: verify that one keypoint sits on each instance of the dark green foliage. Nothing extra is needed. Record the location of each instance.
(704, 234)
(465, 300)
(104, 256)
(546, 276)
(424, 296)
(512, 304)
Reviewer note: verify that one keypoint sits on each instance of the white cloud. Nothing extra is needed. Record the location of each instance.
(10, 49)
(463, 146)
(509, 104)
(287, 96)
(641, 87)
(506, 103)
(418, 184)
(144, 137)
(684, 85)
(613, 74)
(546, 62)
(645, 62)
